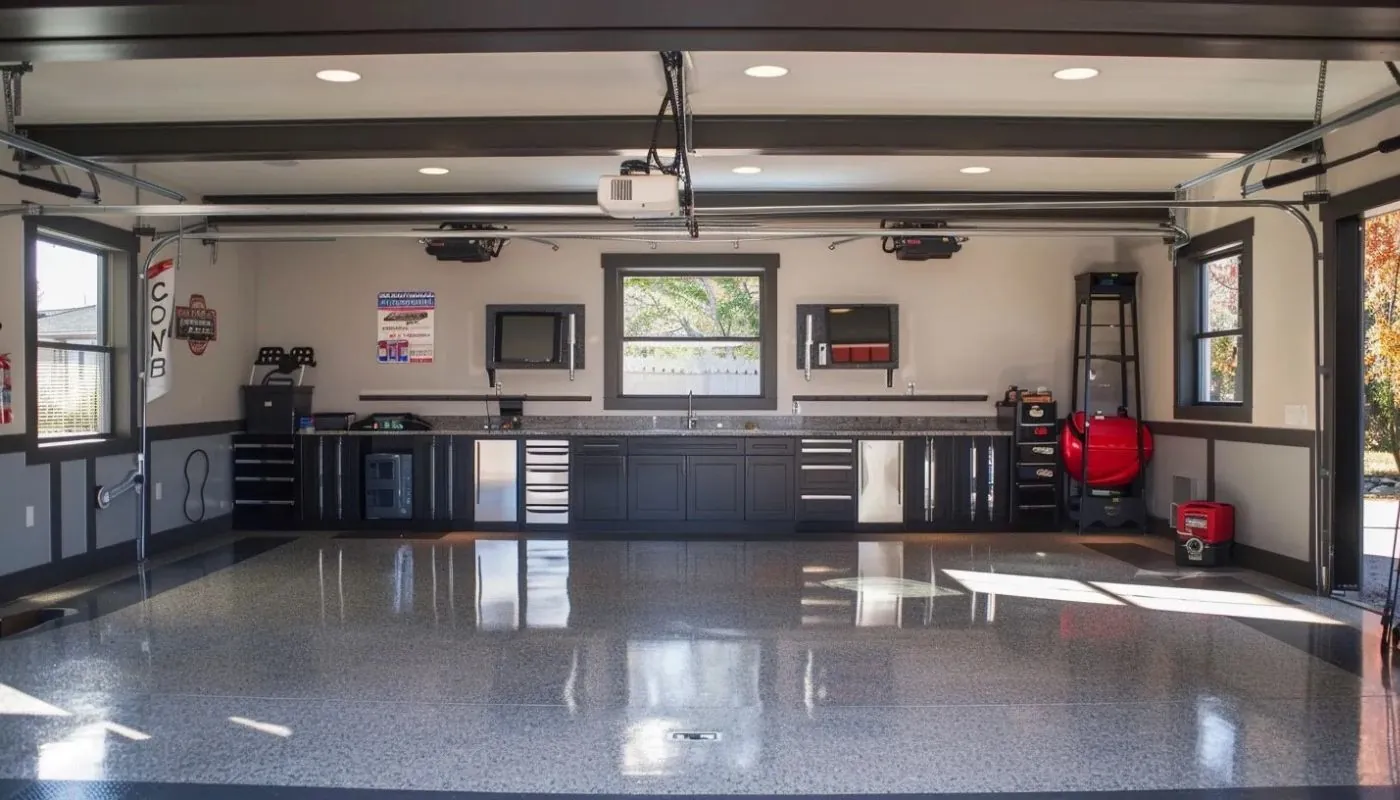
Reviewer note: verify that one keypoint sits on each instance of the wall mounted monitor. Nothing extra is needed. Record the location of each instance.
(526, 337)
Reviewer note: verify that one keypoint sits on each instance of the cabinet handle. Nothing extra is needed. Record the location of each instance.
(476, 475)
(899, 470)
(432, 477)
(451, 479)
(864, 469)
(320, 478)
(339, 477)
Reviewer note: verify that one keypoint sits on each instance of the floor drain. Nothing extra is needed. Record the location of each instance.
(694, 736)
(21, 621)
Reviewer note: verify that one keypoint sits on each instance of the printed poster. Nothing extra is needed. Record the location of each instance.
(406, 327)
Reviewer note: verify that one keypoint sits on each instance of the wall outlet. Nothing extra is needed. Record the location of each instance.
(158, 490)
(29, 516)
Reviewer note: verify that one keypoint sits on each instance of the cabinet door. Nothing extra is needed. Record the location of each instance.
(458, 489)
(600, 488)
(310, 480)
(656, 487)
(715, 488)
(770, 489)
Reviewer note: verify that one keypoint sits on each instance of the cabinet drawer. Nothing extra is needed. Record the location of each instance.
(826, 477)
(1044, 453)
(1036, 473)
(1037, 413)
(765, 446)
(1037, 432)
(685, 445)
(830, 507)
(599, 446)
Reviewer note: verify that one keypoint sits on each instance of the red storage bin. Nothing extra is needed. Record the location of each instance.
(1204, 533)
(879, 353)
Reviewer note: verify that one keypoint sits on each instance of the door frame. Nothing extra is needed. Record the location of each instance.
(1343, 287)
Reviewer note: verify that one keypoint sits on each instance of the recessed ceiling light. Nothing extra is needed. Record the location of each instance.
(338, 75)
(434, 170)
(747, 170)
(1077, 74)
(766, 71)
(975, 170)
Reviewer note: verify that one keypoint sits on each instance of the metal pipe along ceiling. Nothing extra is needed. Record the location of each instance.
(717, 234)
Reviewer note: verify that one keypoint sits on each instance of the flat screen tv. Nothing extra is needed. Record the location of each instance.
(858, 325)
(528, 337)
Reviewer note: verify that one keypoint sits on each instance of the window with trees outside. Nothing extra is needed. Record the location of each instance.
(698, 326)
(1213, 347)
(74, 353)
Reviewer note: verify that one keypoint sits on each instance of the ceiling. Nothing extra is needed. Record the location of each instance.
(564, 84)
(568, 85)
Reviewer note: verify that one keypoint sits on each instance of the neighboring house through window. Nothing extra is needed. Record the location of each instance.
(690, 324)
(1213, 303)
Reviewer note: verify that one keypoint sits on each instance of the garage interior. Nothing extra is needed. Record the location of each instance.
(836, 429)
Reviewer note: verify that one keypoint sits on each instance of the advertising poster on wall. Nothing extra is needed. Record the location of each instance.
(406, 327)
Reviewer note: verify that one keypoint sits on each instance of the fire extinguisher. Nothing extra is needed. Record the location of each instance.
(7, 414)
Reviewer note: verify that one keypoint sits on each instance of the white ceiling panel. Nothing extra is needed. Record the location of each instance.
(629, 83)
(714, 173)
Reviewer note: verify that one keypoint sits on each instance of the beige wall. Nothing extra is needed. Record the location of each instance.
(1000, 312)
(205, 388)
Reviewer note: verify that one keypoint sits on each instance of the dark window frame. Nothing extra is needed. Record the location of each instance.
(120, 302)
(1234, 239)
(616, 266)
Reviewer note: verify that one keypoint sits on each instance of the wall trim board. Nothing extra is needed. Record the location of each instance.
(46, 576)
(1292, 570)
(193, 430)
(12, 443)
(56, 511)
(1250, 434)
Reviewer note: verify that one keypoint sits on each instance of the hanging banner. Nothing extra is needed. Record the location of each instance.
(160, 315)
(406, 327)
(197, 324)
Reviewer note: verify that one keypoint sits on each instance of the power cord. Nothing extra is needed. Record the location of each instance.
(189, 486)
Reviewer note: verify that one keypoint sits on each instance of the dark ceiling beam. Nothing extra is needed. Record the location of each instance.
(47, 30)
(717, 200)
(495, 137)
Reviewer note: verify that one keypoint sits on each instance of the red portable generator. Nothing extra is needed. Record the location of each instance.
(1204, 533)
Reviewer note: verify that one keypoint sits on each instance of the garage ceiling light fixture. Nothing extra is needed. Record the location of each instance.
(1077, 74)
(975, 170)
(338, 76)
(433, 171)
(766, 71)
(747, 170)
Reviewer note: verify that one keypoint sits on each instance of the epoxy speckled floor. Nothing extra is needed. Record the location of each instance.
(921, 665)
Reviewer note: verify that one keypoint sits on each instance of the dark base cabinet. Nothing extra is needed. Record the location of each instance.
(656, 488)
(770, 488)
(714, 488)
(599, 491)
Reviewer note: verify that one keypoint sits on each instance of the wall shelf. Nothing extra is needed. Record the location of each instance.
(890, 398)
(455, 397)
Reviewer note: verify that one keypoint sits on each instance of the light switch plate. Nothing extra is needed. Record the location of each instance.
(29, 516)
(158, 490)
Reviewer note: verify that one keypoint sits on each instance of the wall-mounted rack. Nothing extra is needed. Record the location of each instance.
(848, 336)
(890, 398)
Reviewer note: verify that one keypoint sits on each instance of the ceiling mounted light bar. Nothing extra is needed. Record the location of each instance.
(1296, 141)
(92, 167)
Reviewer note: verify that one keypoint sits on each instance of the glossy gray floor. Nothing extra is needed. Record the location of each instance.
(926, 664)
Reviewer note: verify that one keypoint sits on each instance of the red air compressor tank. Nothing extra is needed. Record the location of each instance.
(1113, 449)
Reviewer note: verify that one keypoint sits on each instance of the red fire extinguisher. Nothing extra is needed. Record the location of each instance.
(7, 414)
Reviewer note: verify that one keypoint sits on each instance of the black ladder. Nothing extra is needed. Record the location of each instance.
(1107, 383)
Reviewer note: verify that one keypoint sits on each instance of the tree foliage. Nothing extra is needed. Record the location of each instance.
(1382, 344)
(668, 307)
(1222, 310)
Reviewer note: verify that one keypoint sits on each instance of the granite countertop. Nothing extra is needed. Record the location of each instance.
(547, 433)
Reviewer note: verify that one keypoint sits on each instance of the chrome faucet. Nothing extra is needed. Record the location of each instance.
(690, 421)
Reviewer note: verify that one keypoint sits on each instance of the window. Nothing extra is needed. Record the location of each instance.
(1213, 330)
(74, 355)
(80, 328)
(701, 324)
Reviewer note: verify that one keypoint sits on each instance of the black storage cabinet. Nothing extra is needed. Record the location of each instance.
(275, 408)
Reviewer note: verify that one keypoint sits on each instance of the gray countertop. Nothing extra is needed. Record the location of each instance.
(547, 433)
